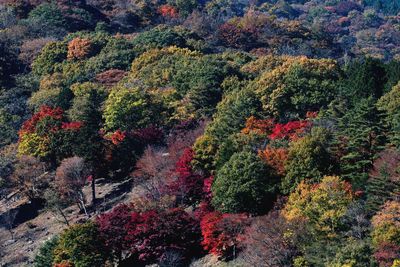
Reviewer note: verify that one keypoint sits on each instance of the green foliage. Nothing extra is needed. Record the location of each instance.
(364, 79)
(163, 36)
(127, 109)
(360, 137)
(81, 245)
(185, 7)
(48, 15)
(308, 159)
(51, 54)
(297, 86)
(390, 104)
(388, 6)
(47, 20)
(322, 205)
(353, 253)
(383, 183)
(243, 184)
(8, 62)
(8, 131)
(117, 53)
(230, 117)
(45, 256)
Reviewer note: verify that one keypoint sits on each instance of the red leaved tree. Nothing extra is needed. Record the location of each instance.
(152, 234)
(188, 187)
(221, 233)
(113, 227)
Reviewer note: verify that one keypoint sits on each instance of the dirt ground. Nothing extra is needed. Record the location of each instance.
(30, 235)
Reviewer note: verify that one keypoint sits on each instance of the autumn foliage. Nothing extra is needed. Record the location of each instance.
(168, 11)
(221, 233)
(149, 235)
(79, 48)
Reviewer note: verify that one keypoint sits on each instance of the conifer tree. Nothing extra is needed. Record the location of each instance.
(361, 135)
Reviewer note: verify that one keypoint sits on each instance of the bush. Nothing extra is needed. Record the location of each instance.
(45, 256)
(81, 245)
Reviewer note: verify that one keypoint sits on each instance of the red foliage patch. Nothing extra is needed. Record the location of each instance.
(168, 11)
(386, 254)
(221, 233)
(148, 135)
(29, 126)
(189, 185)
(74, 125)
(291, 130)
(117, 137)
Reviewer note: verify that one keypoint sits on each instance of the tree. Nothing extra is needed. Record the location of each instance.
(365, 78)
(127, 109)
(386, 234)
(52, 53)
(188, 186)
(31, 176)
(48, 135)
(8, 62)
(362, 135)
(232, 113)
(221, 233)
(386, 224)
(152, 234)
(243, 184)
(110, 77)
(270, 240)
(113, 228)
(308, 158)
(384, 179)
(50, 18)
(56, 203)
(79, 48)
(81, 245)
(71, 176)
(323, 205)
(297, 86)
(390, 104)
(45, 256)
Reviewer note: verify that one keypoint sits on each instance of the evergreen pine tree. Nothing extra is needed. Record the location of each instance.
(361, 135)
(384, 181)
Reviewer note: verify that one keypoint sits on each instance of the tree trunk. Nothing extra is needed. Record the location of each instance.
(93, 190)
(64, 216)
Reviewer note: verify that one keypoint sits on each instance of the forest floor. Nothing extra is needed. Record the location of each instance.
(30, 235)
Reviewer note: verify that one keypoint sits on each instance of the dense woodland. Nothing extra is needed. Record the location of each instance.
(254, 133)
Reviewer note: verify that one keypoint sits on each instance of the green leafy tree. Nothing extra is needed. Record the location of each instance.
(322, 205)
(308, 158)
(298, 85)
(45, 256)
(230, 118)
(52, 53)
(390, 104)
(243, 184)
(127, 109)
(82, 246)
(47, 19)
(384, 179)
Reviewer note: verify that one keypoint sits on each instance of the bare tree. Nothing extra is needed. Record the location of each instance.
(30, 176)
(56, 204)
(71, 176)
(266, 242)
